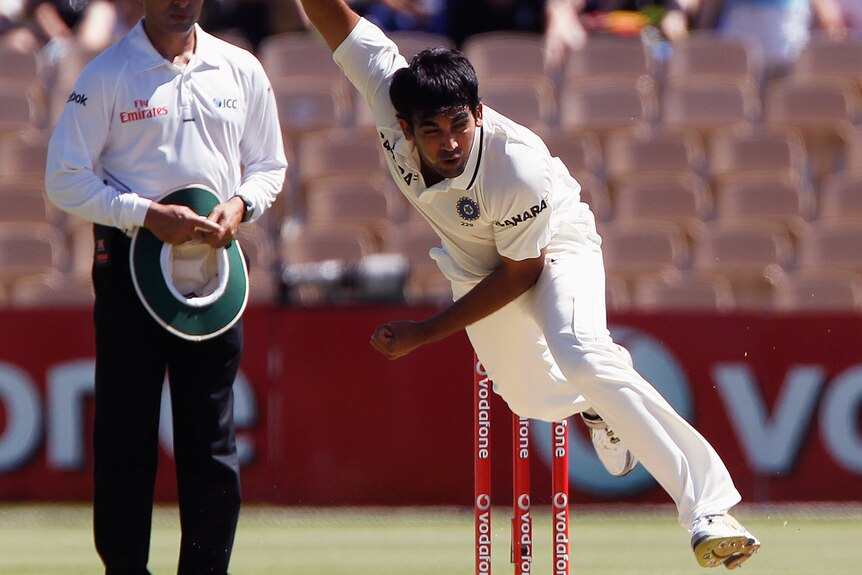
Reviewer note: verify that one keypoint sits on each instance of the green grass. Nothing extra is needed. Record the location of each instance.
(616, 540)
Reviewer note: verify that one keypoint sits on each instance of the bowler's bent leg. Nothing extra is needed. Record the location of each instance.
(568, 302)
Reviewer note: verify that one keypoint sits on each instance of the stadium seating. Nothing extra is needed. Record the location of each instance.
(706, 55)
(683, 200)
(704, 105)
(608, 57)
(782, 198)
(708, 196)
(823, 111)
(647, 150)
(756, 149)
(636, 250)
(823, 290)
(607, 104)
(747, 253)
(682, 292)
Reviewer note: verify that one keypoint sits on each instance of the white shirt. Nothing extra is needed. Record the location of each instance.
(512, 195)
(137, 126)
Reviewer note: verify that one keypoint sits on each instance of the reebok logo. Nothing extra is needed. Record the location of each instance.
(77, 98)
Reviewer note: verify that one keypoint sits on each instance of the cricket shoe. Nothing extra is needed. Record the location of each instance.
(721, 540)
(611, 450)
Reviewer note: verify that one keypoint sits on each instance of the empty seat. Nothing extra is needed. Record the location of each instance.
(26, 202)
(749, 149)
(825, 58)
(308, 105)
(682, 292)
(425, 282)
(21, 113)
(410, 42)
(23, 159)
(782, 198)
(580, 151)
(841, 196)
(258, 246)
(524, 101)
(317, 260)
(604, 105)
(853, 160)
(683, 200)
(707, 55)
(17, 67)
(648, 150)
(824, 112)
(52, 290)
(506, 54)
(322, 242)
(608, 57)
(748, 253)
(633, 250)
(298, 55)
(707, 104)
(338, 152)
(820, 290)
(832, 244)
(351, 201)
(28, 249)
(595, 193)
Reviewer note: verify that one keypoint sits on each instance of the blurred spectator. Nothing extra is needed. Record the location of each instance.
(105, 21)
(410, 15)
(851, 10)
(569, 22)
(781, 27)
(14, 31)
(468, 17)
(251, 20)
(10, 14)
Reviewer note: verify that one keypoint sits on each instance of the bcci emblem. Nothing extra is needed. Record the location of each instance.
(468, 209)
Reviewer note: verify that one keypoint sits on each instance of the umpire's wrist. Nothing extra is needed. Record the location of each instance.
(248, 207)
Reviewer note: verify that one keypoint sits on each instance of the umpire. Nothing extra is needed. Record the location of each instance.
(167, 106)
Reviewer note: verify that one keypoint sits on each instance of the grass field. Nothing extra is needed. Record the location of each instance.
(615, 540)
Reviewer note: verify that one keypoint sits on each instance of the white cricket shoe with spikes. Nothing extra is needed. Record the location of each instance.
(721, 540)
(610, 449)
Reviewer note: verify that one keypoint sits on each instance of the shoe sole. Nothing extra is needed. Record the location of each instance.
(629, 466)
(731, 552)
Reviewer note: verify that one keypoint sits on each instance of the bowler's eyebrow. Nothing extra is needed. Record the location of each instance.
(460, 116)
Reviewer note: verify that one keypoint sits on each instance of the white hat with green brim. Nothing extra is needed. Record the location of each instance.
(192, 290)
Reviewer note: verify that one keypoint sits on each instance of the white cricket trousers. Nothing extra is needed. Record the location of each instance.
(551, 346)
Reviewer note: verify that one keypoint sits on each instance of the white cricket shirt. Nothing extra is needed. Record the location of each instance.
(137, 126)
(512, 196)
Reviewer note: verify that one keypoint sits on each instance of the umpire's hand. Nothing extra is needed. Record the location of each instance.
(174, 224)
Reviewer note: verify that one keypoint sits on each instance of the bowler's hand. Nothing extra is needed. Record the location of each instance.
(398, 338)
(228, 215)
(175, 224)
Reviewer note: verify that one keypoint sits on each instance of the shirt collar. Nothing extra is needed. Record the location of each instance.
(471, 170)
(147, 57)
(468, 177)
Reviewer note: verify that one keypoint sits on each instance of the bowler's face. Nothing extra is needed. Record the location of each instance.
(444, 141)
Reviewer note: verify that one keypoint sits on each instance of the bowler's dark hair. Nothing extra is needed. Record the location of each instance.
(436, 80)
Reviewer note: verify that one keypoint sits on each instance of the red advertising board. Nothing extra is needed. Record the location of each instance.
(325, 420)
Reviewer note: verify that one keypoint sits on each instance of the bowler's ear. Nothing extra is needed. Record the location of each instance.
(406, 129)
(479, 115)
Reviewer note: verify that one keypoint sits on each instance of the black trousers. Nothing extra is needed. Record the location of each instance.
(133, 354)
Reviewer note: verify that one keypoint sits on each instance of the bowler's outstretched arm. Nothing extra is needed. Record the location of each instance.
(334, 19)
